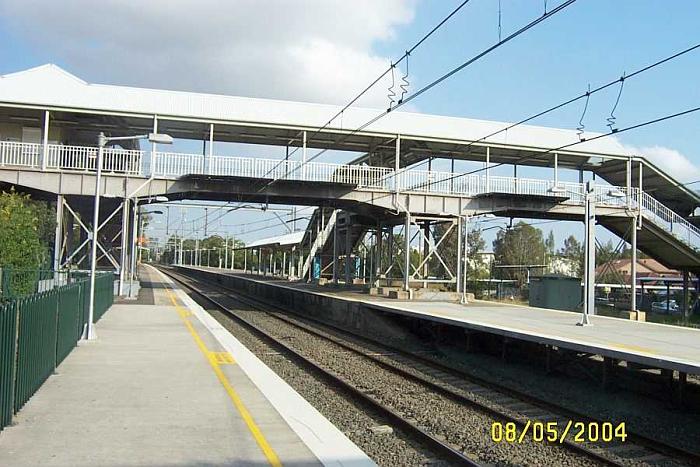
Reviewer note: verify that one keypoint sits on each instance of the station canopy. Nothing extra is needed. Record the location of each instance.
(85, 109)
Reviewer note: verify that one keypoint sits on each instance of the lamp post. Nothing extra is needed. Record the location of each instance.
(589, 256)
(102, 141)
(589, 245)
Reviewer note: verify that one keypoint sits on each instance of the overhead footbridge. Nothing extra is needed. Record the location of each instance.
(50, 119)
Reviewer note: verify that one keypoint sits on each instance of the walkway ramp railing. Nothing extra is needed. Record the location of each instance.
(170, 165)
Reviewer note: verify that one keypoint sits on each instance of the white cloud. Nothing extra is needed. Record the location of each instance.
(669, 160)
(313, 50)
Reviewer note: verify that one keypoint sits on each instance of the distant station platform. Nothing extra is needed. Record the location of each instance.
(165, 384)
(647, 344)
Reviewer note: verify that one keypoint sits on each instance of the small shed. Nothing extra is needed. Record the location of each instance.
(556, 291)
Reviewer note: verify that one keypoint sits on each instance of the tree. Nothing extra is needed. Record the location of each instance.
(549, 244)
(573, 251)
(23, 224)
(521, 245)
(475, 248)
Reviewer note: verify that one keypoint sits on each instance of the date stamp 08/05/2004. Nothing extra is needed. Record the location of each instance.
(555, 432)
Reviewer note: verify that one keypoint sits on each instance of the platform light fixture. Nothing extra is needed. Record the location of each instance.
(102, 141)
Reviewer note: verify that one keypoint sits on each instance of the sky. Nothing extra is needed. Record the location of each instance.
(325, 51)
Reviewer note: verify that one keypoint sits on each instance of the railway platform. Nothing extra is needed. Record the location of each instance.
(670, 348)
(165, 384)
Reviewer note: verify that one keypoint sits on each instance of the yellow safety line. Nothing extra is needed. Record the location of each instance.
(235, 398)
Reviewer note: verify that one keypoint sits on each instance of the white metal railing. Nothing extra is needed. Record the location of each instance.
(22, 154)
(169, 165)
(62, 157)
(174, 165)
(115, 160)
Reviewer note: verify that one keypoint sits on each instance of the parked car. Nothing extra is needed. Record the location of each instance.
(665, 307)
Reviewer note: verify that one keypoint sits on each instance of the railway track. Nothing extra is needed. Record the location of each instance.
(434, 444)
(499, 403)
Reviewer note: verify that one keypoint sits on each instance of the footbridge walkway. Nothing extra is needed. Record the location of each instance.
(69, 170)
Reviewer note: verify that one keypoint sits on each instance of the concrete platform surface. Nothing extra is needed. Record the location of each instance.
(165, 384)
(657, 345)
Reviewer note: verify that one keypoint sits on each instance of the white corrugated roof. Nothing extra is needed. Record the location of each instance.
(293, 238)
(50, 85)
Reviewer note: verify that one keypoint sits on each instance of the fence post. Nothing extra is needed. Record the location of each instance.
(15, 359)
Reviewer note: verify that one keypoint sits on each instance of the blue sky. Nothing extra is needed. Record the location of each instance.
(592, 41)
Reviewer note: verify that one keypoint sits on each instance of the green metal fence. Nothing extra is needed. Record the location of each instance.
(104, 294)
(8, 342)
(38, 331)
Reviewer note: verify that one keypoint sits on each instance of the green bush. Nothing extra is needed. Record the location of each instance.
(23, 222)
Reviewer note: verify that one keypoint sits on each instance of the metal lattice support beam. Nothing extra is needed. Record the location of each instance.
(104, 251)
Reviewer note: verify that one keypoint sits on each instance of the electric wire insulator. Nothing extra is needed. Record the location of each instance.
(611, 119)
(581, 127)
(392, 95)
(404, 84)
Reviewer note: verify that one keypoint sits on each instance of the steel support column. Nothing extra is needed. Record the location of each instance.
(459, 255)
(488, 169)
(426, 250)
(686, 308)
(348, 253)
(407, 253)
(45, 141)
(335, 251)
(397, 163)
(58, 235)
(154, 147)
(133, 247)
(633, 264)
(303, 154)
(124, 257)
(628, 184)
(378, 245)
(211, 147)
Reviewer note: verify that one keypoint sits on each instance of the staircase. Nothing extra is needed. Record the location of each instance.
(664, 235)
(318, 234)
(351, 230)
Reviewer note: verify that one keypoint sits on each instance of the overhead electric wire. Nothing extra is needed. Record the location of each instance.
(602, 135)
(381, 76)
(437, 81)
(561, 105)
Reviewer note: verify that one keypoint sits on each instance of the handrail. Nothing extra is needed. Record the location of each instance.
(174, 165)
